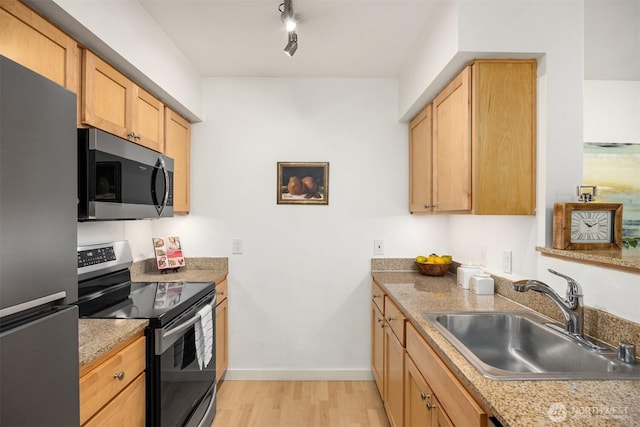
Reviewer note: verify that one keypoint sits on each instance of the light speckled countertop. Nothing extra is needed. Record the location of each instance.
(196, 270)
(514, 403)
(98, 336)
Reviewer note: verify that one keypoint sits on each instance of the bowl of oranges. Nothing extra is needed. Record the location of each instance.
(433, 265)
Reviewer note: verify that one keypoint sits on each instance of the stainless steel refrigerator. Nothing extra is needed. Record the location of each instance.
(38, 260)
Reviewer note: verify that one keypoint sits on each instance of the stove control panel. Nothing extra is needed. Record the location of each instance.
(96, 256)
(104, 258)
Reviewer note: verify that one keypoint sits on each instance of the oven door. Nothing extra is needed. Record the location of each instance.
(184, 393)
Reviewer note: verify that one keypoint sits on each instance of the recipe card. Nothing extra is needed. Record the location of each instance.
(168, 251)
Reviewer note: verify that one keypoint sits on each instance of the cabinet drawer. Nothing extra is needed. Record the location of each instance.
(456, 401)
(104, 382)
(221, 291)
(395, 319)
(127, 409)
(377, 296)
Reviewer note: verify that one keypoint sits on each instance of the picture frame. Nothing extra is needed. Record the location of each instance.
(303, 183)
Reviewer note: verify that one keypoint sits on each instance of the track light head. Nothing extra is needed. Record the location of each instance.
(292, 45)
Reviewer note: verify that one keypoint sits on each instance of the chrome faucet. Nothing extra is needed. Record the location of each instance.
(571, 307)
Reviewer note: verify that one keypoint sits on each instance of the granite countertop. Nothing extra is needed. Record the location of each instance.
(196, 270)
(513, 403)
(96, 337)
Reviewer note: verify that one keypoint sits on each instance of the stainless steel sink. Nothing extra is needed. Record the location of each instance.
(521, 346)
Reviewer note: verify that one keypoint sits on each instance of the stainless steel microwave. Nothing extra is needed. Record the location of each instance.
(120, 180)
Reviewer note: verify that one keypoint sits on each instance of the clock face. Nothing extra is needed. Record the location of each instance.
(591, 226)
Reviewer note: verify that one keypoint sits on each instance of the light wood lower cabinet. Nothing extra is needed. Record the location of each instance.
(178, 146)
(428, 374)
(112, 392)
(422, 408)
(377, 347)
(222, 329)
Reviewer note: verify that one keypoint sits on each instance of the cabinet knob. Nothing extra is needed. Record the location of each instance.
(424, 396)
(376, 296)
(391, 319)
(131, 135)
(138, 136)
(119, 375)
(430, 406)
(220, 292)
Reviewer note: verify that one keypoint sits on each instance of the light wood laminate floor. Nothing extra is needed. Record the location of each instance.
(299, 404)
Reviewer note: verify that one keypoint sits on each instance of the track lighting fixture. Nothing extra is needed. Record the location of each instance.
(292, 45)
(286, 15)
(289, 20)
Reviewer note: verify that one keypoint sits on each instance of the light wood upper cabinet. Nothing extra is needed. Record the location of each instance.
(452, 146)
(503, 124)
(483, 143)
(148, 120)
(28, 39)
(178, 147)
(420, 159)
(115, 104)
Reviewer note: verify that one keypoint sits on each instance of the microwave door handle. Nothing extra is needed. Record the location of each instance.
(165, 173)
(166, 185)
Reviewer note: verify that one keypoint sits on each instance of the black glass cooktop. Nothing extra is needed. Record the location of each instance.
(157, 301)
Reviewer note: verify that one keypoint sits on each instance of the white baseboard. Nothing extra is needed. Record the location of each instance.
(297, 375)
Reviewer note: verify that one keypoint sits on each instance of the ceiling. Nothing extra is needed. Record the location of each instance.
(336, 38)
(355, 38)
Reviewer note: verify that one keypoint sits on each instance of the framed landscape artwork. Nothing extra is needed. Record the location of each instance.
(615, 169)
(303, 183)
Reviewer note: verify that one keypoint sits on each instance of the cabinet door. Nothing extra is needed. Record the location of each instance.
(420, 158)
(418, 396)
(107, 97)
(222, 319)
(377, 347)
(460, 407)
(452, 146)
(178, 147)
(30, 40)
(503, 135)
(148, 120)
(126, 409)
(394, 379)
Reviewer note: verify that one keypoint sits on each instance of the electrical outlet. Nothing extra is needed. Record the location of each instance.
(378, 247)
(236, 246)
(506, 261)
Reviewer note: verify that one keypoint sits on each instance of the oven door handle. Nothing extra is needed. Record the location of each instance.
(164, 338)
(181, 328)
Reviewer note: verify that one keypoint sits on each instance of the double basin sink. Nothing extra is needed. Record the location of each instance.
(522, 346)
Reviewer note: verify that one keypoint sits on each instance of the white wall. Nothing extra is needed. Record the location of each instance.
(612, 111)
(300, 292)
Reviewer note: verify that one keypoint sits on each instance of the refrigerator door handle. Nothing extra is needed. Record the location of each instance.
(32, 303)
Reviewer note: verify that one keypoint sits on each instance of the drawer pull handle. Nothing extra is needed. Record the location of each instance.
(424, 396)
(391, 319)
(119, 375)
(430, 406)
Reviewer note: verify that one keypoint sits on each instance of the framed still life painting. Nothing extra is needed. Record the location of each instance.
(303, 183)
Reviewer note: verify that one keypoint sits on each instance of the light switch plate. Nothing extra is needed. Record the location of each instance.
(237, 246)
(506, 261)
(378, 247)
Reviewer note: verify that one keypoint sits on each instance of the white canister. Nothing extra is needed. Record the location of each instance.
(464, 273)
(481, 284)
